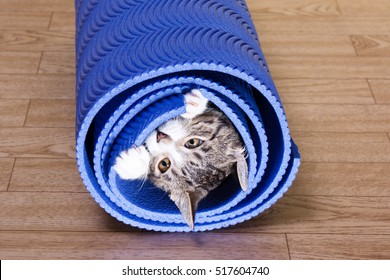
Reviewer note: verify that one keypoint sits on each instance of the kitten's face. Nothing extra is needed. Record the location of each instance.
(193, 153)
(188, 156)
(191, 157)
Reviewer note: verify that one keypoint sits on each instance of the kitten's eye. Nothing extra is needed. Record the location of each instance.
(164, 165)
(193, 143)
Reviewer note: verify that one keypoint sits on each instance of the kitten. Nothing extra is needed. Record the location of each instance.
(188, 156)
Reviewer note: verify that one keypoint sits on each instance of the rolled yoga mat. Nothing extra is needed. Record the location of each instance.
(135, 60)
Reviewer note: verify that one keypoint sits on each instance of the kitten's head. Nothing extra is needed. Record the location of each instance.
(191, 157)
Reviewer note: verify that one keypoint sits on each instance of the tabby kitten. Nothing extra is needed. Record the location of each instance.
(188, 156)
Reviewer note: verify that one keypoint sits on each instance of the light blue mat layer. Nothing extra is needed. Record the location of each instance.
(135, 59)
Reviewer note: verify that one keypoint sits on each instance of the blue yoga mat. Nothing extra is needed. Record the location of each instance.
(135, 59)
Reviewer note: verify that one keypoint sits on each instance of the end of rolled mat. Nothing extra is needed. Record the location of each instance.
(133, 66)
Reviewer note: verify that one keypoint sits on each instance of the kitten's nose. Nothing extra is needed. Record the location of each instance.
(160, 136)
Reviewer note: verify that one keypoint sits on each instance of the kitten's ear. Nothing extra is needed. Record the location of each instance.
(186, 206)
(242, 171)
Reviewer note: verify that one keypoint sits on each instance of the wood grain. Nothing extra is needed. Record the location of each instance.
(62, 113)
(57, 63)
(342, 179)
(37, 86)
(338, 118)
(20, 21)
(13, 112)
(46, 175)
(295, 7)
(323, 215)
(19, 62)
(362, 7)
(55, 211)
(116, 245)
(50, 211)
(29, 6)
(306, 45)
(324, 91)
(62, 22)
(331, 63)
(329, 67)
(321, 25)
(343, 147)
(343, 247)
(37, 142)
(32, 40)
(381, 90)
(6, 166)
(372, 45)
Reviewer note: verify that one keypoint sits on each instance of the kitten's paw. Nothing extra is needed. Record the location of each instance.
(196, 104)
(133, 163)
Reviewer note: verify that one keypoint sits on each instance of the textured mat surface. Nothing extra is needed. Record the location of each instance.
(135, 59)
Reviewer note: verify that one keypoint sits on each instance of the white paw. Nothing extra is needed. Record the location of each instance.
(133, 163)
(196, 104)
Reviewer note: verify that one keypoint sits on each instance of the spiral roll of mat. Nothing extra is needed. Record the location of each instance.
(135, 59)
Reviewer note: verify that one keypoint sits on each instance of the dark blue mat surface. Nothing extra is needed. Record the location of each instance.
(135, 59)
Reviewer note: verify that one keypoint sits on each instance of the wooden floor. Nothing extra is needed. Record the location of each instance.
(331, 63)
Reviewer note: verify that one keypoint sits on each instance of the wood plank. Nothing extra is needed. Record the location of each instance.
(51, 113)
(295, 7)
(57, 63)
(117, 245)
(378, 45)
(343, 147)
(342, 179)
(321, 25)
(63, 22)
(292, 214)
(29, 6)
(55, 211)
(37, 142)
(338, 118)
(19, 62)
(329, 67)
(46, 175)
(33, 40)
(367, 8)
(18, 21)
(323, 215)
(324, 91)
(381, 90)
(306, 45)
(6, 166)
(334, 246)
(37, 86)
(13, 112)
(338, 207)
